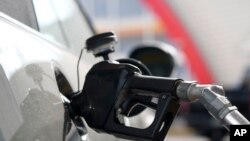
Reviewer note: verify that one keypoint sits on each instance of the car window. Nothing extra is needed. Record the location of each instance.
(22, 11)
(62, 21)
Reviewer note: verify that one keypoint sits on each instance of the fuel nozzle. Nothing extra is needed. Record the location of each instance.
(112, 89)
(214, 100)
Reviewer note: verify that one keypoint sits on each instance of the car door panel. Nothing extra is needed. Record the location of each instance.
(35, 110)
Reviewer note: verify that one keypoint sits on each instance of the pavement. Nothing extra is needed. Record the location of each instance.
(179, 131)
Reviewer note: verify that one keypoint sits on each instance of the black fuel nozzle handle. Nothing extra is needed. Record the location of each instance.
(165, 110)
(142, 86)
(108, 85)
(153, 83)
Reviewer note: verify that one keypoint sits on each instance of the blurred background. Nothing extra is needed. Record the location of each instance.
(212, 38)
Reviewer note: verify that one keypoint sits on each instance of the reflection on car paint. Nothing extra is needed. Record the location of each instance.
(9, 109)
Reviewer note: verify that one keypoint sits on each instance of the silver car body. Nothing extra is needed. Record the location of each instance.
(31, 102)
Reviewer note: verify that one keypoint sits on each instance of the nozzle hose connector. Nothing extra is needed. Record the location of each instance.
(214, 100)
